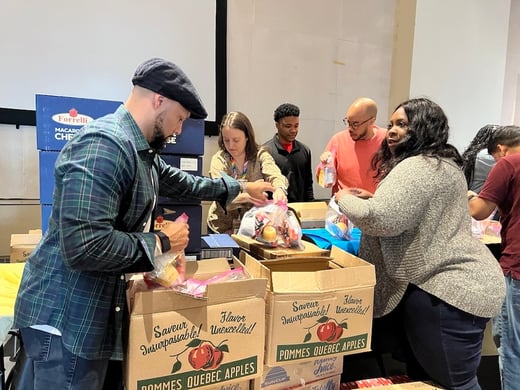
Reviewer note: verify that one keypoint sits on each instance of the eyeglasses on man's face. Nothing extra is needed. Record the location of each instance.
(355, 125)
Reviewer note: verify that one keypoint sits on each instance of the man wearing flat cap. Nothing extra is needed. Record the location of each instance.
(71, 305)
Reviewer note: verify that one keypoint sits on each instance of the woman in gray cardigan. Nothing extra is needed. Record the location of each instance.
(437, 286)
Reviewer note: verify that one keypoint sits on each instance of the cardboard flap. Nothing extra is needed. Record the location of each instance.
(145, 301)
(310, 210)
(25, 239)
(235, 290)
(267, 252)
(317, 274)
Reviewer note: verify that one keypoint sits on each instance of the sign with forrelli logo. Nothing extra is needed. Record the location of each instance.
(59, 118)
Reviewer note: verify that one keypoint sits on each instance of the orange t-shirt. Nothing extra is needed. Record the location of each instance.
(353, 160)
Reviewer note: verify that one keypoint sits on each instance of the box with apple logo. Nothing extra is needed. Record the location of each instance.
(178, 341)
(296, 374)
(315, 306)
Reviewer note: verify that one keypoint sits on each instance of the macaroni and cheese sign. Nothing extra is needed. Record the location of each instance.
(59, 118)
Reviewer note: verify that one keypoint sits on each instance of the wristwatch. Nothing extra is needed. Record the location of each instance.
(165, 242)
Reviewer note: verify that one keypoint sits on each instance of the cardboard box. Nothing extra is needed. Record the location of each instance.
(22, 246)
(47, 159)
(190, 141)
(46, 211)
(59, 118)
(333, 382)
(246, 385)
(265, 252)
(311, 214)
(316, 306)
(292, 375)
(177, 341)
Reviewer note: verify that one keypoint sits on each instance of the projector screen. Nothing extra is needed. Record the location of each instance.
(90, 49)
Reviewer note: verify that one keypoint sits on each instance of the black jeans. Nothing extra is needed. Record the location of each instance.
(437, 341)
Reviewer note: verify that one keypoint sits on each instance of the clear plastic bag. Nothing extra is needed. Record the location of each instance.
(273, 225)
(197, 288)
(337, 223)
(170, 267)
(326, 171)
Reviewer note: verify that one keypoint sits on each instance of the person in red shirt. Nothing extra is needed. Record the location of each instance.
(354, 147)
(502, 189)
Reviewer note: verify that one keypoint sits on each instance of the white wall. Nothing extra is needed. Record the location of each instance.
(459, 60)
(511, 99)
(319, 55)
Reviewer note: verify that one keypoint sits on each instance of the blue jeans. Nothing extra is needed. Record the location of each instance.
(437, 341)
(50, 365)
(509, 336)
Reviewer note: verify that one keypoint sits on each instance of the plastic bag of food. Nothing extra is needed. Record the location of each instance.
(170, 267)
(337, 223)
(272, 224)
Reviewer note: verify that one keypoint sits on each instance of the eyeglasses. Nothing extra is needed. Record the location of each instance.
(355, 125)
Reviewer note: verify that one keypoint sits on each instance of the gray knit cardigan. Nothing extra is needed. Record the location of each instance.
(417, 229)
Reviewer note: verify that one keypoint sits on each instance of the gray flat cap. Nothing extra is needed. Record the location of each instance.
(167, 79)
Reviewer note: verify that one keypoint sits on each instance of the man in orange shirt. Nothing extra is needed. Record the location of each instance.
(354, 147)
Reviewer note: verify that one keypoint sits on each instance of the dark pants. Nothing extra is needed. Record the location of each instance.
(436, 340)
(46, 364)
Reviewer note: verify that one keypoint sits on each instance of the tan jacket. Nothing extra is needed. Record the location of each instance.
(264, 167)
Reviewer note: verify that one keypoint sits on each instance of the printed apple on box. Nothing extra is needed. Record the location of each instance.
(316, 306)
(177, 341)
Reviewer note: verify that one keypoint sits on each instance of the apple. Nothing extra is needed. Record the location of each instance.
(329, 332)
(269, 233)
(200, 356)
(218, 355)
(326, 331)
(337, 334)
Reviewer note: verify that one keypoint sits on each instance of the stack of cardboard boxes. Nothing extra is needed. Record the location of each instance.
(287, 325)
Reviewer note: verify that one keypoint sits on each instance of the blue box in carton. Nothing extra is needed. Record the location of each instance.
(58, 118)
(194, 211)
(190, 141)
(47, 161)
(46, 210)
(190, 164)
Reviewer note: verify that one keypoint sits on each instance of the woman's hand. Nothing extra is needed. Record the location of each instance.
(279, 195)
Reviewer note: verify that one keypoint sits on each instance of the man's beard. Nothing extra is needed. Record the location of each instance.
(158, 141)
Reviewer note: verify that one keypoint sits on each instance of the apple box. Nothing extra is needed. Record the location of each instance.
(177, 341)
(295, 374)
(316, 307)
(263, 251)
(333, 382)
